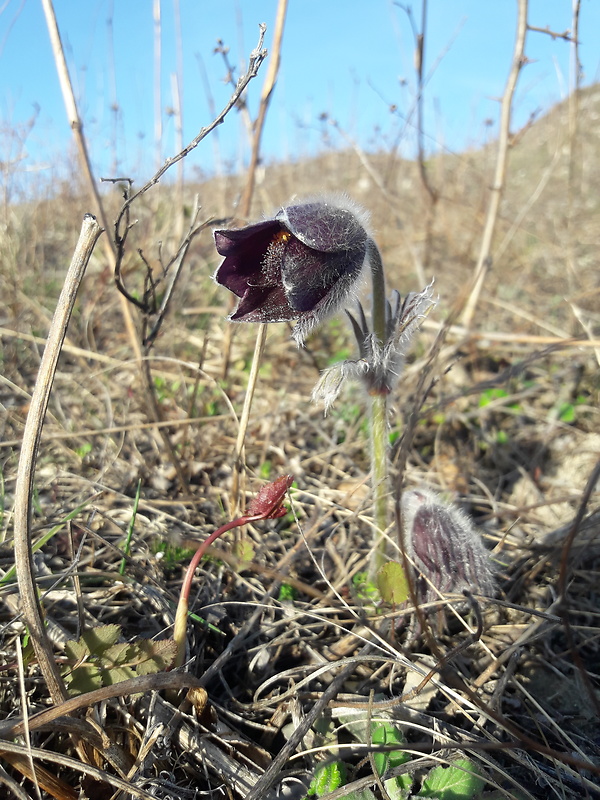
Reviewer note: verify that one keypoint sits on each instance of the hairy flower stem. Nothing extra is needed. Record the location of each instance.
(379, 439)
(379, 471)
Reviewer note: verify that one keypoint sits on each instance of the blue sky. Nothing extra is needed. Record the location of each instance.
(352, 59)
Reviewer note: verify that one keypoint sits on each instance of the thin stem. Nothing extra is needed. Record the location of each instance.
(379, 471)
(238, 452)
(379, 444)
(181, 614)
(485, 259)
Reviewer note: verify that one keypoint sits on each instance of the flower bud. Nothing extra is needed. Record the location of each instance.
(445, 545)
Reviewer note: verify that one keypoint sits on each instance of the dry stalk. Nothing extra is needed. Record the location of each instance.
(238, 475)
(77, 127)
(32, 612)
(484, 260)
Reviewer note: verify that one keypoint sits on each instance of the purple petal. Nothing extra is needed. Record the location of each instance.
(325, 227)
(310, 275)
(246, 240)
(244, 252)
(264, 304)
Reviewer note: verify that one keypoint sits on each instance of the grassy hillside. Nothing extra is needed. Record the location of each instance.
(502, 420)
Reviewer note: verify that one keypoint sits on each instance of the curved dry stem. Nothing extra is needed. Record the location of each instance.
(32, 611)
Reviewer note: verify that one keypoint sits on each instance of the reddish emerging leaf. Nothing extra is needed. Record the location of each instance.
(267, 503)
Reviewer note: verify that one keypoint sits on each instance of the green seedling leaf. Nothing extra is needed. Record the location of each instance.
(155, 656)
(393, 437)
(244, 550)
(566, 412)
(84, 679)
(399, 788)
(265, 470)
(384, 733)
(365, 589)
(328, 778)
(392, 583)
(98, 640)
(490, 395)
(97, 659)
(287, 593)
(453, 782)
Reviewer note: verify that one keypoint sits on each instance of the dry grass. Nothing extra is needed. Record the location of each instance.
(508, 427)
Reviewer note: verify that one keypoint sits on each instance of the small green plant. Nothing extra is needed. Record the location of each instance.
(172, 555)
(97, 659)
(496, 393)
(365, 589)
(287, 593)
(84, 450)
(328, 777)
(460, 780)
(165, 390)
(265, 469)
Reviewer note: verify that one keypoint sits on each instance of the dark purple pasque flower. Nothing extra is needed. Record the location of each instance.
(445, 546)
(300, 265)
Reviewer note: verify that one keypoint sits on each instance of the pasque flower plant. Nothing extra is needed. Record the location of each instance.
(304, 264)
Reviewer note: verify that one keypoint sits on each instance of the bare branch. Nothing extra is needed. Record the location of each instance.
(566, 35)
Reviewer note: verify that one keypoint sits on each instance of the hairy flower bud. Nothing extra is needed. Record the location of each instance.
(300, 265)
(445, 545)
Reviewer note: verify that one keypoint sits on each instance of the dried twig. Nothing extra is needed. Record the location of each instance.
(261, 337)
(484, 260)
(122, 224)
(32, 611)
(77, 127)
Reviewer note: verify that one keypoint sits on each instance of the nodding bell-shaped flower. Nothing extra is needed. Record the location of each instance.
(300, 265)
(444, 545)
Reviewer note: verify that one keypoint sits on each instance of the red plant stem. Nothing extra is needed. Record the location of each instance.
(189, 575)
(183, 604)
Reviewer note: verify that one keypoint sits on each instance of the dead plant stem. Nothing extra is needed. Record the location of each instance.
(238, 477)
(77, 127)
(32, 611)
(484, 261)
